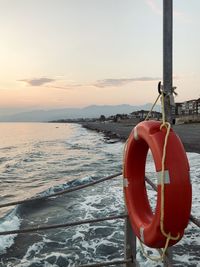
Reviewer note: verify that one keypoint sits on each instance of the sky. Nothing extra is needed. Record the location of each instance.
(75, 53)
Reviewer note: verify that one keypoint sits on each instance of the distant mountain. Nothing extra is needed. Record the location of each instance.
(93, 111)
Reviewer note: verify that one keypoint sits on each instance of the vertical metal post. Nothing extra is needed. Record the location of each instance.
(130, 244)
(168, 75)
(167, 55)
(168, 261)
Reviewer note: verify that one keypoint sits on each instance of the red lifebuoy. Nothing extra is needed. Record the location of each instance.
(177, 191)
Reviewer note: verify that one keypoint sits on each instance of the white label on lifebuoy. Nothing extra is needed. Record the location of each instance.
(142, 234)
(125, 182)
(135, 134)
(166, 177)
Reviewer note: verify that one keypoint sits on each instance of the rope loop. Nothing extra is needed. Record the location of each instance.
(167, 125)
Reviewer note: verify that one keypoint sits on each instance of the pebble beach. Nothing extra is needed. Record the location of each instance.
(188, 133)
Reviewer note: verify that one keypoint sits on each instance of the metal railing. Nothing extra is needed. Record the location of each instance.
(62, 225)
(68, 190)
(192, 217)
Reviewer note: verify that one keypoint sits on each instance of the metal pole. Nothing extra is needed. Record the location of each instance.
(168, 76)
(167, 56)
(130, 245)
(168, 260)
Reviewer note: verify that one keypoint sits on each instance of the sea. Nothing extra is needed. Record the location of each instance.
(38, 159)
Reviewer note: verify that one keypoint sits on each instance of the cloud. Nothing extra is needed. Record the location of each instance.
(38, 81)
(67, 87)
(120, 82)
(51, 83)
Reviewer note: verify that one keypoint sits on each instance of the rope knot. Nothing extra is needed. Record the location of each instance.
(167, 125)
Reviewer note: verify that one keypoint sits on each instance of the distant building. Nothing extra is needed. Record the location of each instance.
(178, 109)
(141, 115)
(188, 111)
(190, 107)
(118, 117)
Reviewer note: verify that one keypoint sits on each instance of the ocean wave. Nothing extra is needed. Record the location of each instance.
(8, 223)
(8, 148)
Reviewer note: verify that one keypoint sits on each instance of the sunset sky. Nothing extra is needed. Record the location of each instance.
(74, 53)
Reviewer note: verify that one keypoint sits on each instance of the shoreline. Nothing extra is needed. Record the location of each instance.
(188, 133)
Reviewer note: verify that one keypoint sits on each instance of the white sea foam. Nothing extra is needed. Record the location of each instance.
(10, 222)
(34, 249)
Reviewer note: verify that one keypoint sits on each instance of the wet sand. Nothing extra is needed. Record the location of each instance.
(188, 133)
